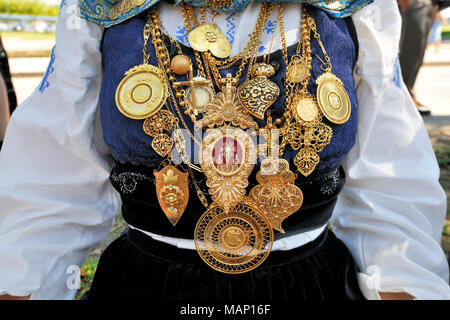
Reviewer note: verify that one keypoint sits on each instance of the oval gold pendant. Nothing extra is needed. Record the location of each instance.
(234, 242)
(142, 92)
(333, 99)
(297, 70)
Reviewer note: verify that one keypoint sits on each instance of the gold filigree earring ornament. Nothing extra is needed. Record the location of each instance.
(143, 91)
(276, 195)
(332, 97)
(172, 192)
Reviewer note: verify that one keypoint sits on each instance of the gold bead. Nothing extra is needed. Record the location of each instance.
(181, 64)
(182, 104)
(178, 95)
(278, 121)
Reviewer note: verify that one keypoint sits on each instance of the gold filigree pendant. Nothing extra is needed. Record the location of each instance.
(173, 192)
(142, 92)
(333, 99)
(258, 94)
(155, 126)
(276, 195)
(235, 242)
(228, 156)
(209, 37)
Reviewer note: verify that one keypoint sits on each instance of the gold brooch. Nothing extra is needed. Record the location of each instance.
(234, 242)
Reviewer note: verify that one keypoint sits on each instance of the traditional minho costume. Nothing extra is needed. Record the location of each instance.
(230, 132)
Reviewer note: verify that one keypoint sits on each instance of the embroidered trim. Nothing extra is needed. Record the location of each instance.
(98, 11)
(50, 69)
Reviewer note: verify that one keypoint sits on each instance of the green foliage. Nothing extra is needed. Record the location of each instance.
(29, 7)
(87, 275)
(443, 156)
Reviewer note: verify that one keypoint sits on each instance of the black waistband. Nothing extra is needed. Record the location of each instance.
(141, 208)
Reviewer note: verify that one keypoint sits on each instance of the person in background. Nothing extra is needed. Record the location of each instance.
(418, 16)
(8, 99)
(436, 33)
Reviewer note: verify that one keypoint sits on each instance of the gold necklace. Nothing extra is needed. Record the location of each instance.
(276, 194)
(143, 90)
(259, 93)
(303, 129)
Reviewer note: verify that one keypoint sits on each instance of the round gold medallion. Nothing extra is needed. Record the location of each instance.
(307, 111)
(333, 99)
(142, 92)
(234, 242)
(204, 95)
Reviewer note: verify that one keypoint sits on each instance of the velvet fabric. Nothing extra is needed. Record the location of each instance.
(135, 266)
(122, 50)
(140, 207)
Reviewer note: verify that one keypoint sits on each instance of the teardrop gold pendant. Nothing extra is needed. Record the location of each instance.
(210, 37)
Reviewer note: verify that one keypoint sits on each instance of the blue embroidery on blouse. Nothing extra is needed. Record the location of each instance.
(50, 69)
(97, 11)
(397, 79)
(122, 50)
(181, 35)
(270, 26)
(231, 28)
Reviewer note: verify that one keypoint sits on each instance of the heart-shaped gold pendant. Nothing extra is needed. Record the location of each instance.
(258, 94)
(210, 37)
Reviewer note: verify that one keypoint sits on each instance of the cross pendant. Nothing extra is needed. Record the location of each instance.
(192, 84)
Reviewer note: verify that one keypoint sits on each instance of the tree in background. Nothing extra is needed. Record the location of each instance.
(29, 7)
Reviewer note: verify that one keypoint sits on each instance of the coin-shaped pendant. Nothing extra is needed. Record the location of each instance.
(307, 112)
(204, 95)
(234, 242)
(297, 70)
(142, 92)
(333, 99)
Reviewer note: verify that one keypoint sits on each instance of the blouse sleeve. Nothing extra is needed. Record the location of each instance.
(392, 210)
(55, 198)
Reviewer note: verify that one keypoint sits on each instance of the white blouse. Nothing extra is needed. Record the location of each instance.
(56, 200)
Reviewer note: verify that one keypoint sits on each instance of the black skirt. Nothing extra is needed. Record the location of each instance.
(136, 266)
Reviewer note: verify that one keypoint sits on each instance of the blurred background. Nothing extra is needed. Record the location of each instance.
(27, 29)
